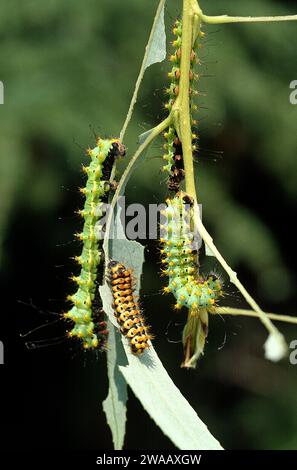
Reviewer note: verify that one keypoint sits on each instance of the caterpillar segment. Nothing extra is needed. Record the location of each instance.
(173, 156)
(95, 191)
(126, 308)
(190, 289)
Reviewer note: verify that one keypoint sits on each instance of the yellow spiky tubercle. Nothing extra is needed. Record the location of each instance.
(95, 189)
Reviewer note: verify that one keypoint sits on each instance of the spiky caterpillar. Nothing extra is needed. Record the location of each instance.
(173, 155)
(172, 92)
(190, 289)
(95, 191)
(126, 309)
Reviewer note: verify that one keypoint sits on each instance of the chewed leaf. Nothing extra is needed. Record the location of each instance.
(275, 347)
(114, 405)
(131, 254)
(156, 51)
(165, 404)
(128, 252)
(146, 375)
(142, 137)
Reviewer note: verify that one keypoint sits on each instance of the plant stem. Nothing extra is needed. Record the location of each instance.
(232, 274)
(125, 176)
(252, 313)
(141, 72)
(181, 109)
(192, 11)
(222, 19)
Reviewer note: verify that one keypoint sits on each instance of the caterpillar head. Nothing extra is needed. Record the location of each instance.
(116, 269)
(216, 277)
(112, 264)
(118, 149)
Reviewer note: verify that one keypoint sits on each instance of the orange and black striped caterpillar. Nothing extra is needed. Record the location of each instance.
(126, 309)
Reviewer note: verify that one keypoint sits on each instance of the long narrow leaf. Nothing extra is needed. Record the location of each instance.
(114, 405)
(155, 51)
(146, 375)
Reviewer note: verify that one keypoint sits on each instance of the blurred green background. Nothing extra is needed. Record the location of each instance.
(68, 69)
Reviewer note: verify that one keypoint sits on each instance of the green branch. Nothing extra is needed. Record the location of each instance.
(252, 313)
(232, 274)
(125, 176)
(181, 108)
(192, 18)
(143, 67)
(223, 19)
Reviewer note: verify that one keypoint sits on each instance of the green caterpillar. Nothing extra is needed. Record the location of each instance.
(173, 156)
(172, 92)
(190, 289)
(96, 190)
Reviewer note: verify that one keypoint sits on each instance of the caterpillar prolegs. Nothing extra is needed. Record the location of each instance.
(191, 289)
(126, 309)
(96, 190)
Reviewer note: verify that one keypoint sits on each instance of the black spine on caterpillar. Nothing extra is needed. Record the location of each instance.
(96, 190)
(177, 173)
(126, 309)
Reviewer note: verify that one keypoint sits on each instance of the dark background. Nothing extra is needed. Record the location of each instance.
(68, 69)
